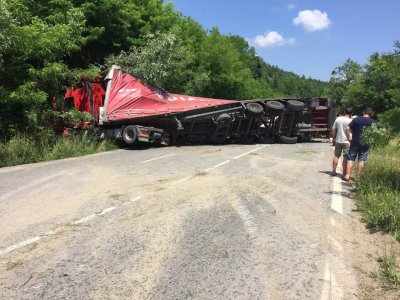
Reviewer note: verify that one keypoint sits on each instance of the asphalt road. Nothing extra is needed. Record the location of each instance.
(195, 222)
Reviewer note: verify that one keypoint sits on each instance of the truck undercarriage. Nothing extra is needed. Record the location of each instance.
(135, 112)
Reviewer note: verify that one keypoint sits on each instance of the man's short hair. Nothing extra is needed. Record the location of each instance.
(368, 111)
(348, 111)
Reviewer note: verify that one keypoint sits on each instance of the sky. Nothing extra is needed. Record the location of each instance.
(307, 37)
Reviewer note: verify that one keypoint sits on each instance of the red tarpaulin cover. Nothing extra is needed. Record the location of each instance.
(131, 98)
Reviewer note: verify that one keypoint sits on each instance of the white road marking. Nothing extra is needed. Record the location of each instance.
(337, 199)
(239, 156)
(107, 210)
(247, 218)
(85, 219)
(218, 165)
(161, 157)
(52, 232)
(335, 244)
(182, 180)
(336, 288)
(333, 289)
(131, 200)
(20, 245)
(136, 199)
(326, 289)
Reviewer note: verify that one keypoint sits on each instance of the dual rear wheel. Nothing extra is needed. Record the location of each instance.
(130, 134)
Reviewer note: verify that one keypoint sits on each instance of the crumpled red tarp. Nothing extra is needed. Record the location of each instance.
(82, 100)
(131, 98)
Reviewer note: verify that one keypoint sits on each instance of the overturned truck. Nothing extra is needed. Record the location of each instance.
(125, 108)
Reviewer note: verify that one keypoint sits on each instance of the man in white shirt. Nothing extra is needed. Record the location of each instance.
(340, 141)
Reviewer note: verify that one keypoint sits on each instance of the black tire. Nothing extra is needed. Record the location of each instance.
(312, 103)
(274, 106)
(247, 140)
(180, 140)
(254, 109)
(288, 139)
(219, 134)
(295, 105)
(130, 134)
(304, 138)
(223, 118)
(267, 139)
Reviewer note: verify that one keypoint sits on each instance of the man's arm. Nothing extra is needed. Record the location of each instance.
(333, 136)
(348, 135)
(348, 129)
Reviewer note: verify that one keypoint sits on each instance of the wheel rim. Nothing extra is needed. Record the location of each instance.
(275, 105)
(130, 134)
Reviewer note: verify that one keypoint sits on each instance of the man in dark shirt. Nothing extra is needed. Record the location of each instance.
(356, 147)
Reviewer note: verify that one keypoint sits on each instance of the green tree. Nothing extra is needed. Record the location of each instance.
(160, 60)
(230, 77)
(38, 44)
(115, 25)
(342, 78)
(377, 85)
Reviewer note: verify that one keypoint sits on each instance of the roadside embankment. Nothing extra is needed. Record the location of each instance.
(24, 149)
(378, 190)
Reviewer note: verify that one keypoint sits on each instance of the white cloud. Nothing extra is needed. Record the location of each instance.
(290, 6)
(271, 39)
(312, 20)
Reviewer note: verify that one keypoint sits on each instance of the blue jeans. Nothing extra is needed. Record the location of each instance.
(358, 150)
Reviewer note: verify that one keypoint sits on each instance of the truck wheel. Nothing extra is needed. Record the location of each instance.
(274, 106)
(295, 105)
(130, 134)
(254, 109)
(247, 140)
(223, 118)
(312, 103)
(266, 139)
(288, 139)
(304, 137)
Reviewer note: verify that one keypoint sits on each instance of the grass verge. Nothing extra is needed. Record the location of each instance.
(388, 272)
(23, 148)
(378, 190)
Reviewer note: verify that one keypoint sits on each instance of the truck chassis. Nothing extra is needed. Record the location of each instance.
(262, 121)
(132, 111)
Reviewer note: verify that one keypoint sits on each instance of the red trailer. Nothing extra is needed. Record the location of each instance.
(133, 111)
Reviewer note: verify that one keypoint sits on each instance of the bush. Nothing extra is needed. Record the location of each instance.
(106, 145)
(20, 149)
(390, 119)
(375, 136)
(43, 146)
(76, 117)
(71, 146)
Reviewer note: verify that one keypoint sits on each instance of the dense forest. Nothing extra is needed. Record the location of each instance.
(375, 84)
(47, 45)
